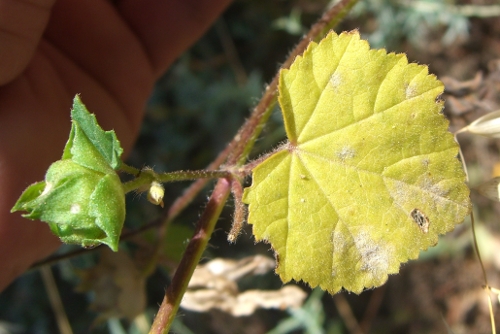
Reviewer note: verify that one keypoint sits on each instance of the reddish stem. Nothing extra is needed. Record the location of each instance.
(191, 257)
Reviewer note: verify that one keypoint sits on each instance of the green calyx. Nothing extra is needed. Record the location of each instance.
(82, 198)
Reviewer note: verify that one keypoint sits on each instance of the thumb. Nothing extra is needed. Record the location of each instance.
(21, 26)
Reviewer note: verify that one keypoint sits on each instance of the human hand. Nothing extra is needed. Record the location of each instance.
(110, 53)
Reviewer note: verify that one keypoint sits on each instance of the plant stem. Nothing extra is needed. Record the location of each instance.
(194, 251)
(129, 169)
(192, 175)
(148, 176)
(142, 180)
(485, 275)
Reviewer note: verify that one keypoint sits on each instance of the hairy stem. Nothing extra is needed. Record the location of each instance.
(192, 255)
(147, 176)
(192, 175)
(239, 211)
(129, 169)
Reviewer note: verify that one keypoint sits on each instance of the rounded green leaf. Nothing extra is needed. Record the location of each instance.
(370, 175)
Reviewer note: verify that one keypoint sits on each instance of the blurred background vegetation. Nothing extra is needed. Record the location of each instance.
(195, 111)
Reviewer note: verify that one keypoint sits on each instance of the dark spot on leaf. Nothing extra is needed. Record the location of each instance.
(421, 219)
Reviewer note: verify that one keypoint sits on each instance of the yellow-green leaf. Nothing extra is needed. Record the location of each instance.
(369, 176)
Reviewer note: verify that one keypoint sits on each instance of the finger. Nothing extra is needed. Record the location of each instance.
(93, 47)
(21, 26)
(167, 28)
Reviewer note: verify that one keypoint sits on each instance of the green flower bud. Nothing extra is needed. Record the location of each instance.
(81, 205)
(82, 198)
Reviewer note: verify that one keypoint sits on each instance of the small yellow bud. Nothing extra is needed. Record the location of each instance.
(156, 193)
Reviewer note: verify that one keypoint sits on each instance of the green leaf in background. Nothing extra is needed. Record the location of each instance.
(82, 197)
(370, 175)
